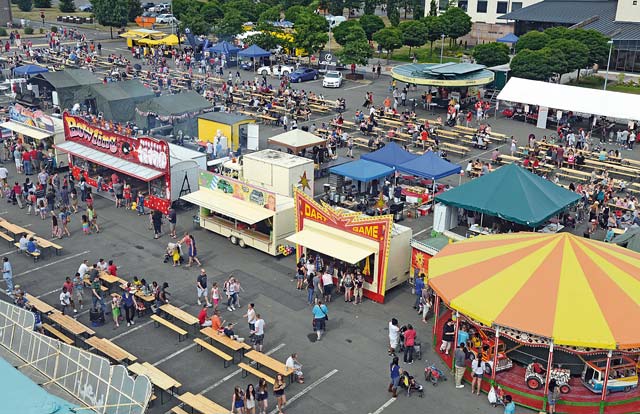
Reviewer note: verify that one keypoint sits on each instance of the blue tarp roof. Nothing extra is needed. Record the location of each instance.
(254, 51)
(391, 155)
(362, 170)
(29, 70)
(429, 165)
(223, 47)
(510, 38)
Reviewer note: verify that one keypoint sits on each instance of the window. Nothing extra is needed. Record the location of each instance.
(482, 7)
(501, 7)
(635, 3)
(516, 5)
(463, 4)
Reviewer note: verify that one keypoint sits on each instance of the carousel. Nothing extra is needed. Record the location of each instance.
(538, 307)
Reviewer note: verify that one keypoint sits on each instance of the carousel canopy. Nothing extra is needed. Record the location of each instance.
(575, 291)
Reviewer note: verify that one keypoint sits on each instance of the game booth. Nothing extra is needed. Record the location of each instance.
(375, 245)
(538, 307)
(146, 163)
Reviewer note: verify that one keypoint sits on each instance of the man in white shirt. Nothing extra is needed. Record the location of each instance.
(327, 286)
(65, 299)
(84, 268)
(251, 316)
(394, 336)
(258, 333)
(23, 242)
(210, 150)
(293, 364)
(4, 173)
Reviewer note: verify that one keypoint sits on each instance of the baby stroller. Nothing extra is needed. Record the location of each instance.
(433, 374)
(173, 249)
(409, 383)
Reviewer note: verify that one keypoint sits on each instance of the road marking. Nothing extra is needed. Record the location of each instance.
(422, 231)
(48, 293)
(64, 259)
(383, 406)
(178, 352)
(356, 87)
(138, 327)
(309, 388)
(8, 253)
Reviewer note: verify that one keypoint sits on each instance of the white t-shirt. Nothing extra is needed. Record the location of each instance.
(478, 366)
(83, 269)
(251, 315)
(259, 327)
(103, 266)
(394, 333)
(65, 298)
(4, 173)
(327, 279)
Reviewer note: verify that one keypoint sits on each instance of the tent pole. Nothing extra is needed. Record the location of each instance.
(495, 356)
(433, 197)
(481, 219)
(436, 314)
(455, 339)
(606, 377)
(549, 364)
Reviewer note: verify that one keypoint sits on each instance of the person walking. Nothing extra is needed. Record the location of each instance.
(7, 274)
(78, 289)
(394, 336)
(172, 218)
(278, 391)
(319, 318)
(65, 300)
(128, 301)
(459, 358)
(201, 288)
(395, 373)
(237, 401)
(96, 294)
(250, 400)
(409, 342)
(92, 216)
(310, 287)
(69, 285)
(262, 396)
(477, 368)
(156, 220)
(258, 333)
(251, 316)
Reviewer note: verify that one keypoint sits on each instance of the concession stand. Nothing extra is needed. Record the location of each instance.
(375, 245)
(245, 214)
(142, 162)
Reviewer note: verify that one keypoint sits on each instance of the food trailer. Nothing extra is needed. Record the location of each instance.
(240, 130)
(147, 164)
(278, 171)
(245, 214)
(375, 245)
(34, 128)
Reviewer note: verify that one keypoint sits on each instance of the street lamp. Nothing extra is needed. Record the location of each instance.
(441, 46)
(606, 78)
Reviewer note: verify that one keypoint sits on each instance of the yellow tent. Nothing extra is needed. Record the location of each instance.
(171, 40)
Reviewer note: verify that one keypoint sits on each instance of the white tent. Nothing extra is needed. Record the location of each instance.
(297, 140)
(572, 98)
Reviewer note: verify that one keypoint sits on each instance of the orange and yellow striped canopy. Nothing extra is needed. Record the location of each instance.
(575, 291)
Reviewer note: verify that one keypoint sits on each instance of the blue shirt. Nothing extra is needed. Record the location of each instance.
(395, 371)
(319, 312)
(510, 408)
(419, 286)
(463, 337)
(31, 246)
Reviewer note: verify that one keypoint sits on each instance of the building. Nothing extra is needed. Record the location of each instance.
(618, 20)
(5, 12)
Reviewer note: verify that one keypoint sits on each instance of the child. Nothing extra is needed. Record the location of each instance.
(115, 309)
(215, 295)
(42, 209)
(137, 284)
(176, 255)
(85, 225)
(126, 191)
(31, 203)
(55, 230)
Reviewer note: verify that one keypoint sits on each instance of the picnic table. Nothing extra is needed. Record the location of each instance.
(40, 305)
(271, 363)
(202, 404)
(70, 325)
(108, 348)
(235, 346)
(157, 377)
(14, 229)
(178, 313)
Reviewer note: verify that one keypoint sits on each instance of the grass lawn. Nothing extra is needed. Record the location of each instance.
(426, 55)
(50, 14)
(597, 82)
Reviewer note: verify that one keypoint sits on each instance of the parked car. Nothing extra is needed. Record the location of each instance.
(277, 70)
(332, 79)
(335, 20)
(166, 19)
(86, 8)
(304, 74)
(148, 5)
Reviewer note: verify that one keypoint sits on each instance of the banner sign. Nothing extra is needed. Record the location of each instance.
(238, 189)
(328, 58)
(28, 117)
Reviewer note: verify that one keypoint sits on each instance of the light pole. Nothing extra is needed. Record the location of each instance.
(441, 46)
(606, 78)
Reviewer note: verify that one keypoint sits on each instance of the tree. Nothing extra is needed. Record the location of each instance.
(272, 14)
(343, 30)
(370, 7)
(336, 7)
(25, 5)
(67, 6)
(491, 54)
(371, 23)
(356, 50)
(231, 24)
(434, 26)
(352, 5)
(135, 9)
(180, 7)
(293, 12)
(311, 32)
(389, 39)
(393, 12)
(418, 9)
(414, 34)
(211, 11)
(533, 40)
(247, 9)
(559, 32)
(433, 8)
(457, 23)
(42, 4)
(286, 4)
(537, 64)
(575, 52)
(111, 13)
(194, 20)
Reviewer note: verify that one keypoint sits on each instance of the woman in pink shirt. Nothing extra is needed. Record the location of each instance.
(409, 342)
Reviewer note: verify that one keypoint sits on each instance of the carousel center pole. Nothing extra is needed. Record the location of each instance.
(495, 356)
(455, 334)
(436, 314)
(548, 378)
(605, 381)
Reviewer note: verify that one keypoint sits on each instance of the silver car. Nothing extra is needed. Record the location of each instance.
(332, 79)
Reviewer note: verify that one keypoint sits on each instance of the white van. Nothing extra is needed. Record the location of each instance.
(335, 20)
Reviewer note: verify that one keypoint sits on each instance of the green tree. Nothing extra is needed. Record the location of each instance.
(352, 5)
(42, 4)
(135, 10)
(194, 20)
(537, 64)
(343, 30)
(67, 6)
(597, 44)
(370, 7)
(491, 54)
(533, 40)
(559, 32)
(575, 52)
(433, 8)
(291, 14)
(111, 13)
(356, 50)
(211, 11)
(457, 23)
(371, 23)
(25, 5)
(286, 4)
(434, 25)
(231, 24)
(393, 12)
(311, 32)
(180, 7)
(272, 14)
(389, 38)
(336, 7)
(418, 9)
(268, 41)
(247, 9)
(414, 33)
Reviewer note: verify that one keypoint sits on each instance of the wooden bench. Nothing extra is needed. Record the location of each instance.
(40, 305)
(456, 149)
(6, 237)
(178, 410)
(201, 404)
(59, 335)
(35, 255)
(160, 321)
(108, 348)
(247, 369)
(271, 363)
(206, 345)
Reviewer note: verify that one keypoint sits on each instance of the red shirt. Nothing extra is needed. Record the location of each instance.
(69, 286)
(112, 270)
(202, 316)
(409, 337)
(34, 154)
(26, 156)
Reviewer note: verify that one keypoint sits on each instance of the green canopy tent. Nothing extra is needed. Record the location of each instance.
(117, 100)
(180, 111)
(67, 84)
(629, 239)
(513, 194)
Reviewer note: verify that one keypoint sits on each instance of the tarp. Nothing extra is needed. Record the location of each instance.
(573, 290)
(297, 140)
(28, 70)
(391, 155)
(511, 193)
(224, 47)
(429, 165)
(571, 98)
(362, 170)
(510, 38)
(171, 40)
(629, 239)
(254, 51)
(225, 204)
(331, 244)
(67, 83)
(180, 110)
(117, 100)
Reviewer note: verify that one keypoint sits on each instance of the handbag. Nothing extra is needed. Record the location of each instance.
(326, 317)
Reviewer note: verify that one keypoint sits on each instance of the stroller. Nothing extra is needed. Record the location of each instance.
(171, 250)
(409, 383)
(433, 374)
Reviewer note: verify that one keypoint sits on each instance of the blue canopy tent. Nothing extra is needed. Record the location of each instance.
(362, 170)
(391, 155)
(510, 38)
(430, 165)
(254, 52)
(29, 70)
(230, 51)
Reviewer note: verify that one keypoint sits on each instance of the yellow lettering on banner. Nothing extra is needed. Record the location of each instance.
(369, 231)
(313, 213)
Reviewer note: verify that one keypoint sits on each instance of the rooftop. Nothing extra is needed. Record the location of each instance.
(270, 156)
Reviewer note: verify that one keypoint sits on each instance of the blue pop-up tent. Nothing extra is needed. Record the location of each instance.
(429, 165)
(391, 155)
(29, 70)
(254, 51)
(224, 47)
(362, 170)
(510, 38)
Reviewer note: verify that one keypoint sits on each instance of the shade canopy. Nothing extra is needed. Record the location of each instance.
(223, 47)
(28, 70)
(629, 239)
(332, 244)
(510, 38)
(362, 170)
(573, 290)
(297, 140)
(429, 165)
(451, 75)
(511, 193)
(254, 51)
(391, 155)
(571, 98)
(229, 206)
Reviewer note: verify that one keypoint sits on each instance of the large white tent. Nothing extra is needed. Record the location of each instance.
(572, 98)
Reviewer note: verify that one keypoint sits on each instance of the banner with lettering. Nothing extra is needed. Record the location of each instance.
(377, 229)
(238, 189)
(35, 118)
